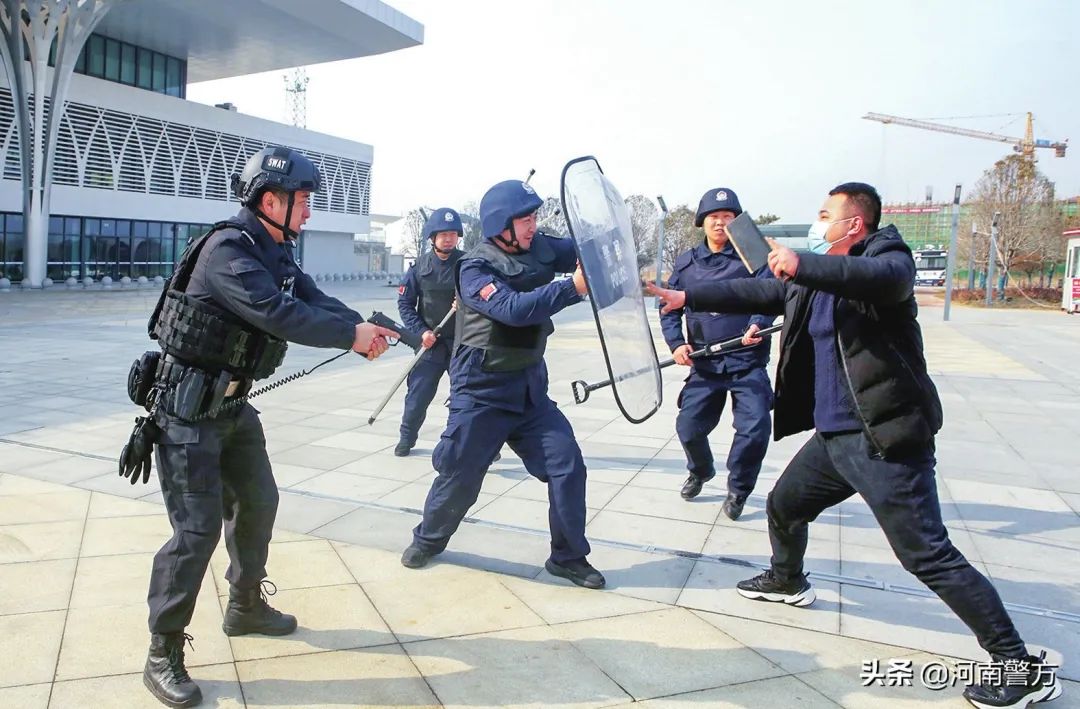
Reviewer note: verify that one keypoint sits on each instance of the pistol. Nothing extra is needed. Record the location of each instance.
(405, 335)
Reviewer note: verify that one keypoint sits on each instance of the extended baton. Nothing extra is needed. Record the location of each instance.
(412, 364)
(582, 390)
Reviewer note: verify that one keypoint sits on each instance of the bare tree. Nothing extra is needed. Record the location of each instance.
(680, 234)
(644, 220)
(550, 218)
(470, 225)
(1025, 198)
(413, 225)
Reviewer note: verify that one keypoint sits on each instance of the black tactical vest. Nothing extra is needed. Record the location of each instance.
(507, 348)
(206, 336)
(436, 286)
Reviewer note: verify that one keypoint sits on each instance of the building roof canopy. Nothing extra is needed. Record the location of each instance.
(225, 38)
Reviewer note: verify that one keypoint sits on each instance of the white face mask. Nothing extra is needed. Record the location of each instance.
(815, 238)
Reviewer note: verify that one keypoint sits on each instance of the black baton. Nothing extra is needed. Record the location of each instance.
(582, 390)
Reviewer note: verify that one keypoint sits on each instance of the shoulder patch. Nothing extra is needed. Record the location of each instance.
(401, 289)
(487, 291)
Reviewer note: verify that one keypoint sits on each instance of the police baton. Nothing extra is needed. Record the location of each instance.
(582, 390)
(405, 374)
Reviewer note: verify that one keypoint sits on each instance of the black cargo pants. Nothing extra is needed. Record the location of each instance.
(210, 471)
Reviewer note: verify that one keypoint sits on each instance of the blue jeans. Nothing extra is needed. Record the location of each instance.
(903, 497)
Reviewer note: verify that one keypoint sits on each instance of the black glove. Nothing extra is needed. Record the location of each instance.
(135, 458)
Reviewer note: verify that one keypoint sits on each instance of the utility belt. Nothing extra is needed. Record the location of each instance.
(180, 389)
(190, 393)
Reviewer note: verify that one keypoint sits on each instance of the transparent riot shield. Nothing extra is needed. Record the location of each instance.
(600, 226)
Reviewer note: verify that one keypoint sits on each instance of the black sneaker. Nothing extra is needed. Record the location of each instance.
(402, 448)
(248, 612)
(766, 587)
(1010, 691)
(733, 506)
(165, 675)
(415, 558)
(579, 571)
(692, 487)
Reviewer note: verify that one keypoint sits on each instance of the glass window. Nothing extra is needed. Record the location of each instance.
(112, 60)
(123, 228)
(108, 227)
(154, 229)
(127, 64)
(145, 79)
(13, 248)
(80, 63)
(138, 229)
(172, 77)
(93, 227)
(56, 225)
(56, 247)
(95, 56)
(13, 223)
(52, 53)
(159, 73)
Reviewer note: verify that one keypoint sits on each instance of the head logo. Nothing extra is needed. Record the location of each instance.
(721, 196)
(275, 163)
(449, 217)
(528, 190)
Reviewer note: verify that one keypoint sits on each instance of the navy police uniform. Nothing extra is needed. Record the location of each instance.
(425, 296)
(217, 468)
(741, 374)
(499, 387)
(223, 321)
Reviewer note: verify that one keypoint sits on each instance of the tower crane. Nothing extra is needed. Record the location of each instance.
(1025, 146)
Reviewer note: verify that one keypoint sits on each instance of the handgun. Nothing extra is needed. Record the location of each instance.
(405, 335)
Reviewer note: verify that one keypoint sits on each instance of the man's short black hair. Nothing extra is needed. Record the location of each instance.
(866, 200)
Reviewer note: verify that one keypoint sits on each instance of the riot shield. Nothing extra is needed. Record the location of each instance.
(600, 226)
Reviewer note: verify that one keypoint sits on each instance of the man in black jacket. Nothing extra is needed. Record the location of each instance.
(851, 367)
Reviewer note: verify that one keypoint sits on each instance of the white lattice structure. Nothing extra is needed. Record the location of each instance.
(118, 151)
(30, 27)
(107, 149)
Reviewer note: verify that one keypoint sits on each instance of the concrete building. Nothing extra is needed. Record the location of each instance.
(133, 169)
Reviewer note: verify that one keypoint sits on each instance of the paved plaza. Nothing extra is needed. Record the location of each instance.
(485, 625)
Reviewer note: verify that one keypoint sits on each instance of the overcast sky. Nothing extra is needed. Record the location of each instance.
(680, 96)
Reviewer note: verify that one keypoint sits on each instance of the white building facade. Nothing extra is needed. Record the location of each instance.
(137, 169)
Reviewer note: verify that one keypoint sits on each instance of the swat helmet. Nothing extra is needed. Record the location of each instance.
(716, 200)
(502, 204)
(277, 168)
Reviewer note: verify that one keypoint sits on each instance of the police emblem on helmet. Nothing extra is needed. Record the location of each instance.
(721, 196)
(527, 188)
(448, 217)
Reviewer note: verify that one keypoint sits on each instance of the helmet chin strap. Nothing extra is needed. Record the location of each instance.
(285, 230)
(512, 242)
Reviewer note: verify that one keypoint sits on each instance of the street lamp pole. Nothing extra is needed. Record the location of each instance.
(950, 257)
(660, 243)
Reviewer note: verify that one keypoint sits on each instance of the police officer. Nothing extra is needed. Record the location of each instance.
(425, 296)
(498, 383)
(223, 321)
(740, 373)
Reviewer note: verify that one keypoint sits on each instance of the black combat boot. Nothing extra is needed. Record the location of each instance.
(165, 675)
(248, 612)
